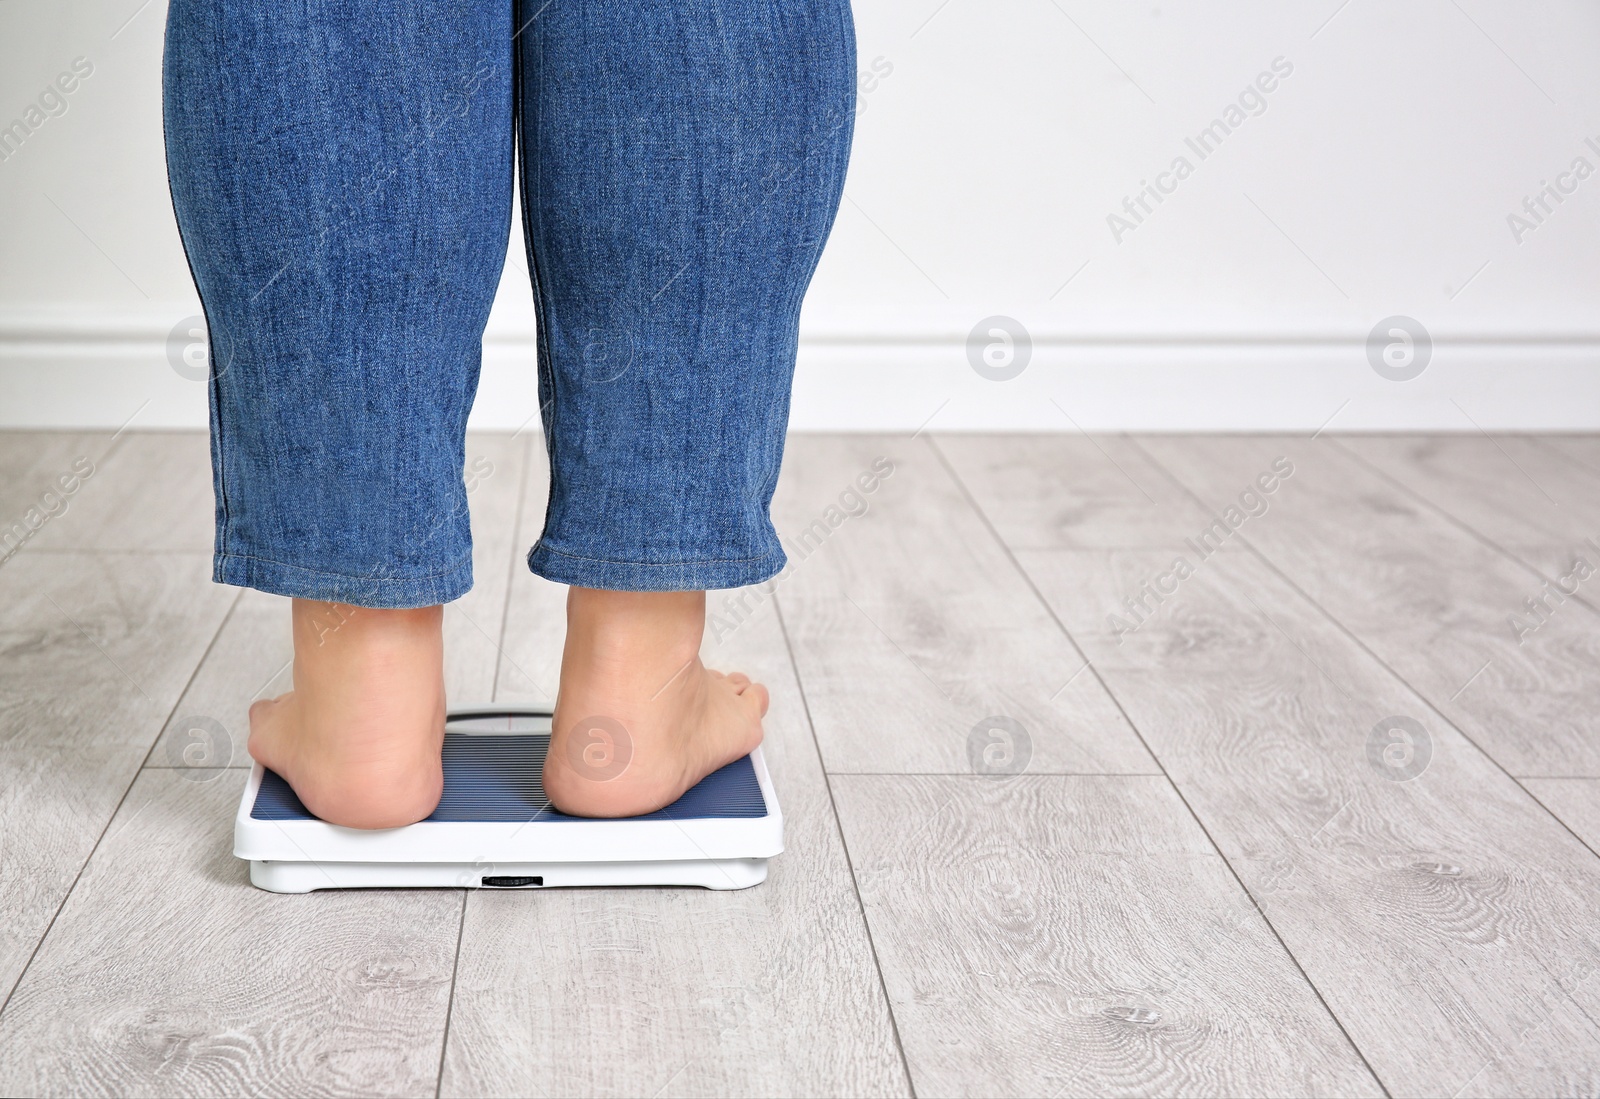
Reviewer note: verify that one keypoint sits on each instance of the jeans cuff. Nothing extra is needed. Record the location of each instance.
(387, 592)
(588, 572)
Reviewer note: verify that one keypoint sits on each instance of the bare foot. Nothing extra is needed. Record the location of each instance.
(360, 736)
(639, 719)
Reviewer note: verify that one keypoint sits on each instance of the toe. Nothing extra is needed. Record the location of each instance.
(263, 745)
(750, 691)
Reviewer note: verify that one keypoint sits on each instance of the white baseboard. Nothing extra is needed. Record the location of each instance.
(97, 377)
(1215, 386)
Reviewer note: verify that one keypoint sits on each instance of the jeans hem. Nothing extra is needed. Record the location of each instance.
(383, 592)
(589, 572)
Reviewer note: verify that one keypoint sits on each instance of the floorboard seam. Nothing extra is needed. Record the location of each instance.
(1579, 464)
(1508, 555)
(494, 696)
(985, 778)
(67, 551)
(844, 845)
(1028, 579)
(110, 818)
(983, 517)
(1362, 646)
(116, 442)
(450, 1002)
(1461, 524)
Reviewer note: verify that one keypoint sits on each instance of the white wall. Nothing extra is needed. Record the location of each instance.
(996, 137)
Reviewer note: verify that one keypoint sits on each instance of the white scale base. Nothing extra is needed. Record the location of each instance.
(494, 830)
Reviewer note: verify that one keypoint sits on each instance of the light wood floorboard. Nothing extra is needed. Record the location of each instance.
(1575, 800)
(1073, 935)
(42, 474)
(204, 985)
(94, 651)
(1429, 599)
(1584, 449)
(151, 492)
(1071, 491)
(496, 466)
(251, 658)
(1205, 881)
(1515, 493)
(535, 617)
(1429, 911)
(917, 582)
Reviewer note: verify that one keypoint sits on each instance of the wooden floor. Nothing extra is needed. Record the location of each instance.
(1315, 811)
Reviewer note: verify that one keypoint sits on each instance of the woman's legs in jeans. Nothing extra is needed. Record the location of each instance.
(342, 180)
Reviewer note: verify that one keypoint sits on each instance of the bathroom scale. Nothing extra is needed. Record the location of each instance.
(494, 828)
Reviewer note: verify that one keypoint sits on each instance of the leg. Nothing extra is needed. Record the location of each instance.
(682, 167)
(341, 177)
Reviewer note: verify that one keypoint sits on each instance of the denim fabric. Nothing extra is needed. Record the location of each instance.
(342, 178)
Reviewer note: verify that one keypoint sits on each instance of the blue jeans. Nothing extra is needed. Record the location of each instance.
(342, 176)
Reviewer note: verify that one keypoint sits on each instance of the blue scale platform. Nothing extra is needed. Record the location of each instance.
(498, 778)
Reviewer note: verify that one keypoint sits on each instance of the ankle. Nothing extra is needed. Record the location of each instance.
(620, 622)
(319, 624)
(357, 665)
